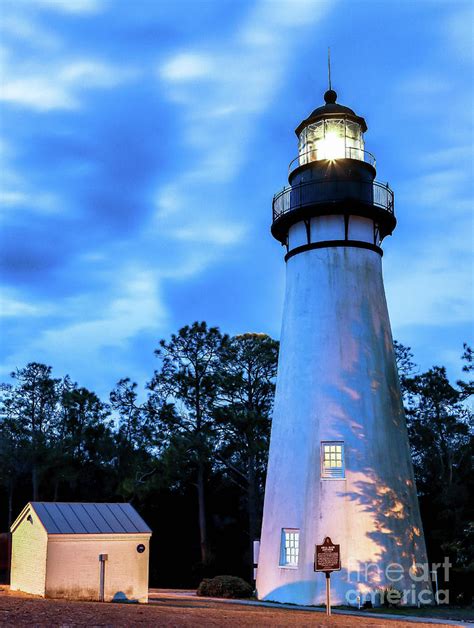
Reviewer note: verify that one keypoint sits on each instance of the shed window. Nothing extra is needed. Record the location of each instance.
(290, 546)
(332, 460)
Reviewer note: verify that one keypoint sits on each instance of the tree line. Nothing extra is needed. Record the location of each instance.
(190, 450)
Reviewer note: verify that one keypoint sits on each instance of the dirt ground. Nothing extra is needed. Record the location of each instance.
(166, 609)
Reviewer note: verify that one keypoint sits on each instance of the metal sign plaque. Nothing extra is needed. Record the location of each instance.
(327, 557)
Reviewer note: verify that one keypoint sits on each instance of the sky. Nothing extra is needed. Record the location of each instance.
(142, 142)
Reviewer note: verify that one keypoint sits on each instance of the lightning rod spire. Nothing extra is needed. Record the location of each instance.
(329, 67)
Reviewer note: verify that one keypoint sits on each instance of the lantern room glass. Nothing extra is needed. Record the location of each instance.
(331, 138)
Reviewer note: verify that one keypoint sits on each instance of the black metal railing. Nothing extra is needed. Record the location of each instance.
(327, 190)
(319, 154)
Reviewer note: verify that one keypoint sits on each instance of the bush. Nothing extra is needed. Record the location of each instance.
(224, 586)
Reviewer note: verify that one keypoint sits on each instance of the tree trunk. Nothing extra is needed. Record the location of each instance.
(56, 489)
(202, 514)
(10, 504)
(34, 481)
(252, 506)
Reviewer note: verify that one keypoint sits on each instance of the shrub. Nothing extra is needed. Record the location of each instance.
(224, 586)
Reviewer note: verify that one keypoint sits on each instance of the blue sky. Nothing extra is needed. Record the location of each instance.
(142, 143)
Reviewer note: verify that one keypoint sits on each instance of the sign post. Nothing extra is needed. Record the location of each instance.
(327, 558)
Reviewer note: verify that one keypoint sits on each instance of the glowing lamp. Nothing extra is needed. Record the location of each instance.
(331, 132)
(331, 147)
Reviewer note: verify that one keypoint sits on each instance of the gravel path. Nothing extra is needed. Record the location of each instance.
(168, 609)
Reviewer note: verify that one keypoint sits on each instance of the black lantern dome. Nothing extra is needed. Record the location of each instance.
(330, 109)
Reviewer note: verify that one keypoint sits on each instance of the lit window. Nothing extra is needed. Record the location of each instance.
(290, 547)
(332, 460)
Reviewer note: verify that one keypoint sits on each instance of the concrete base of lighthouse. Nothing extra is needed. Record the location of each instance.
(337, 381)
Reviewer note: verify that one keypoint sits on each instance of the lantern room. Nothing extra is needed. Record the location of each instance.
(331, 132)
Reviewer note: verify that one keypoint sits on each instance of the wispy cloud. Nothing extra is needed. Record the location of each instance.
(430, 291)
(135, 307)
(211, 234)
(222, 92)
(53, 77)
(57, 86)
(435, 287)
(459, 31)
(13, 307)
(35, 202)
(89, 337)
(81, 334)
(72, 7)
(423, 85)
(186, 67)
(16, 191)
(445, 191)
(26, 29)
(236, 83)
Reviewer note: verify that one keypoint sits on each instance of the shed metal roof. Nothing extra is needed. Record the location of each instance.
(87, 518)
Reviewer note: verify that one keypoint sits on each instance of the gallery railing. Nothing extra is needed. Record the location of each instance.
(327, 190)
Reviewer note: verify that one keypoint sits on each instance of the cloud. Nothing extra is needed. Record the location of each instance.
(442, 190)
(236, 83)
(454, 156)
(72, 7)
(431, 292)
(458, 30)
(133, 305)
(45, 87)
(92, 335)
(168, 200)
(429, 277)
(224, 234)
(92, 73)
(38, 93)
(221, 92)
(423, 85)
(186, 67)
(35, 202)
(436, 286)
(29, 31)
(12, 307)
(17, 192)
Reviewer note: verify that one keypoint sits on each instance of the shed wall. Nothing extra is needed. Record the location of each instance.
(29, 546)
(73, 567)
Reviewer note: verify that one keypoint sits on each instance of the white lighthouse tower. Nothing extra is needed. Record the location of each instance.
(339, 463)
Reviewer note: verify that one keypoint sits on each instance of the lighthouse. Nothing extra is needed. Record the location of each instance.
(339, 462)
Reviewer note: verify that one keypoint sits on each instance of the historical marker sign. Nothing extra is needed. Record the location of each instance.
(327, 556)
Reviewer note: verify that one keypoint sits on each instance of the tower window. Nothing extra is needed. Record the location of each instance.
(290, 547)
(332, 460)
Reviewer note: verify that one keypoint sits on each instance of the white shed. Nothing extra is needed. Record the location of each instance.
(81, 551)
